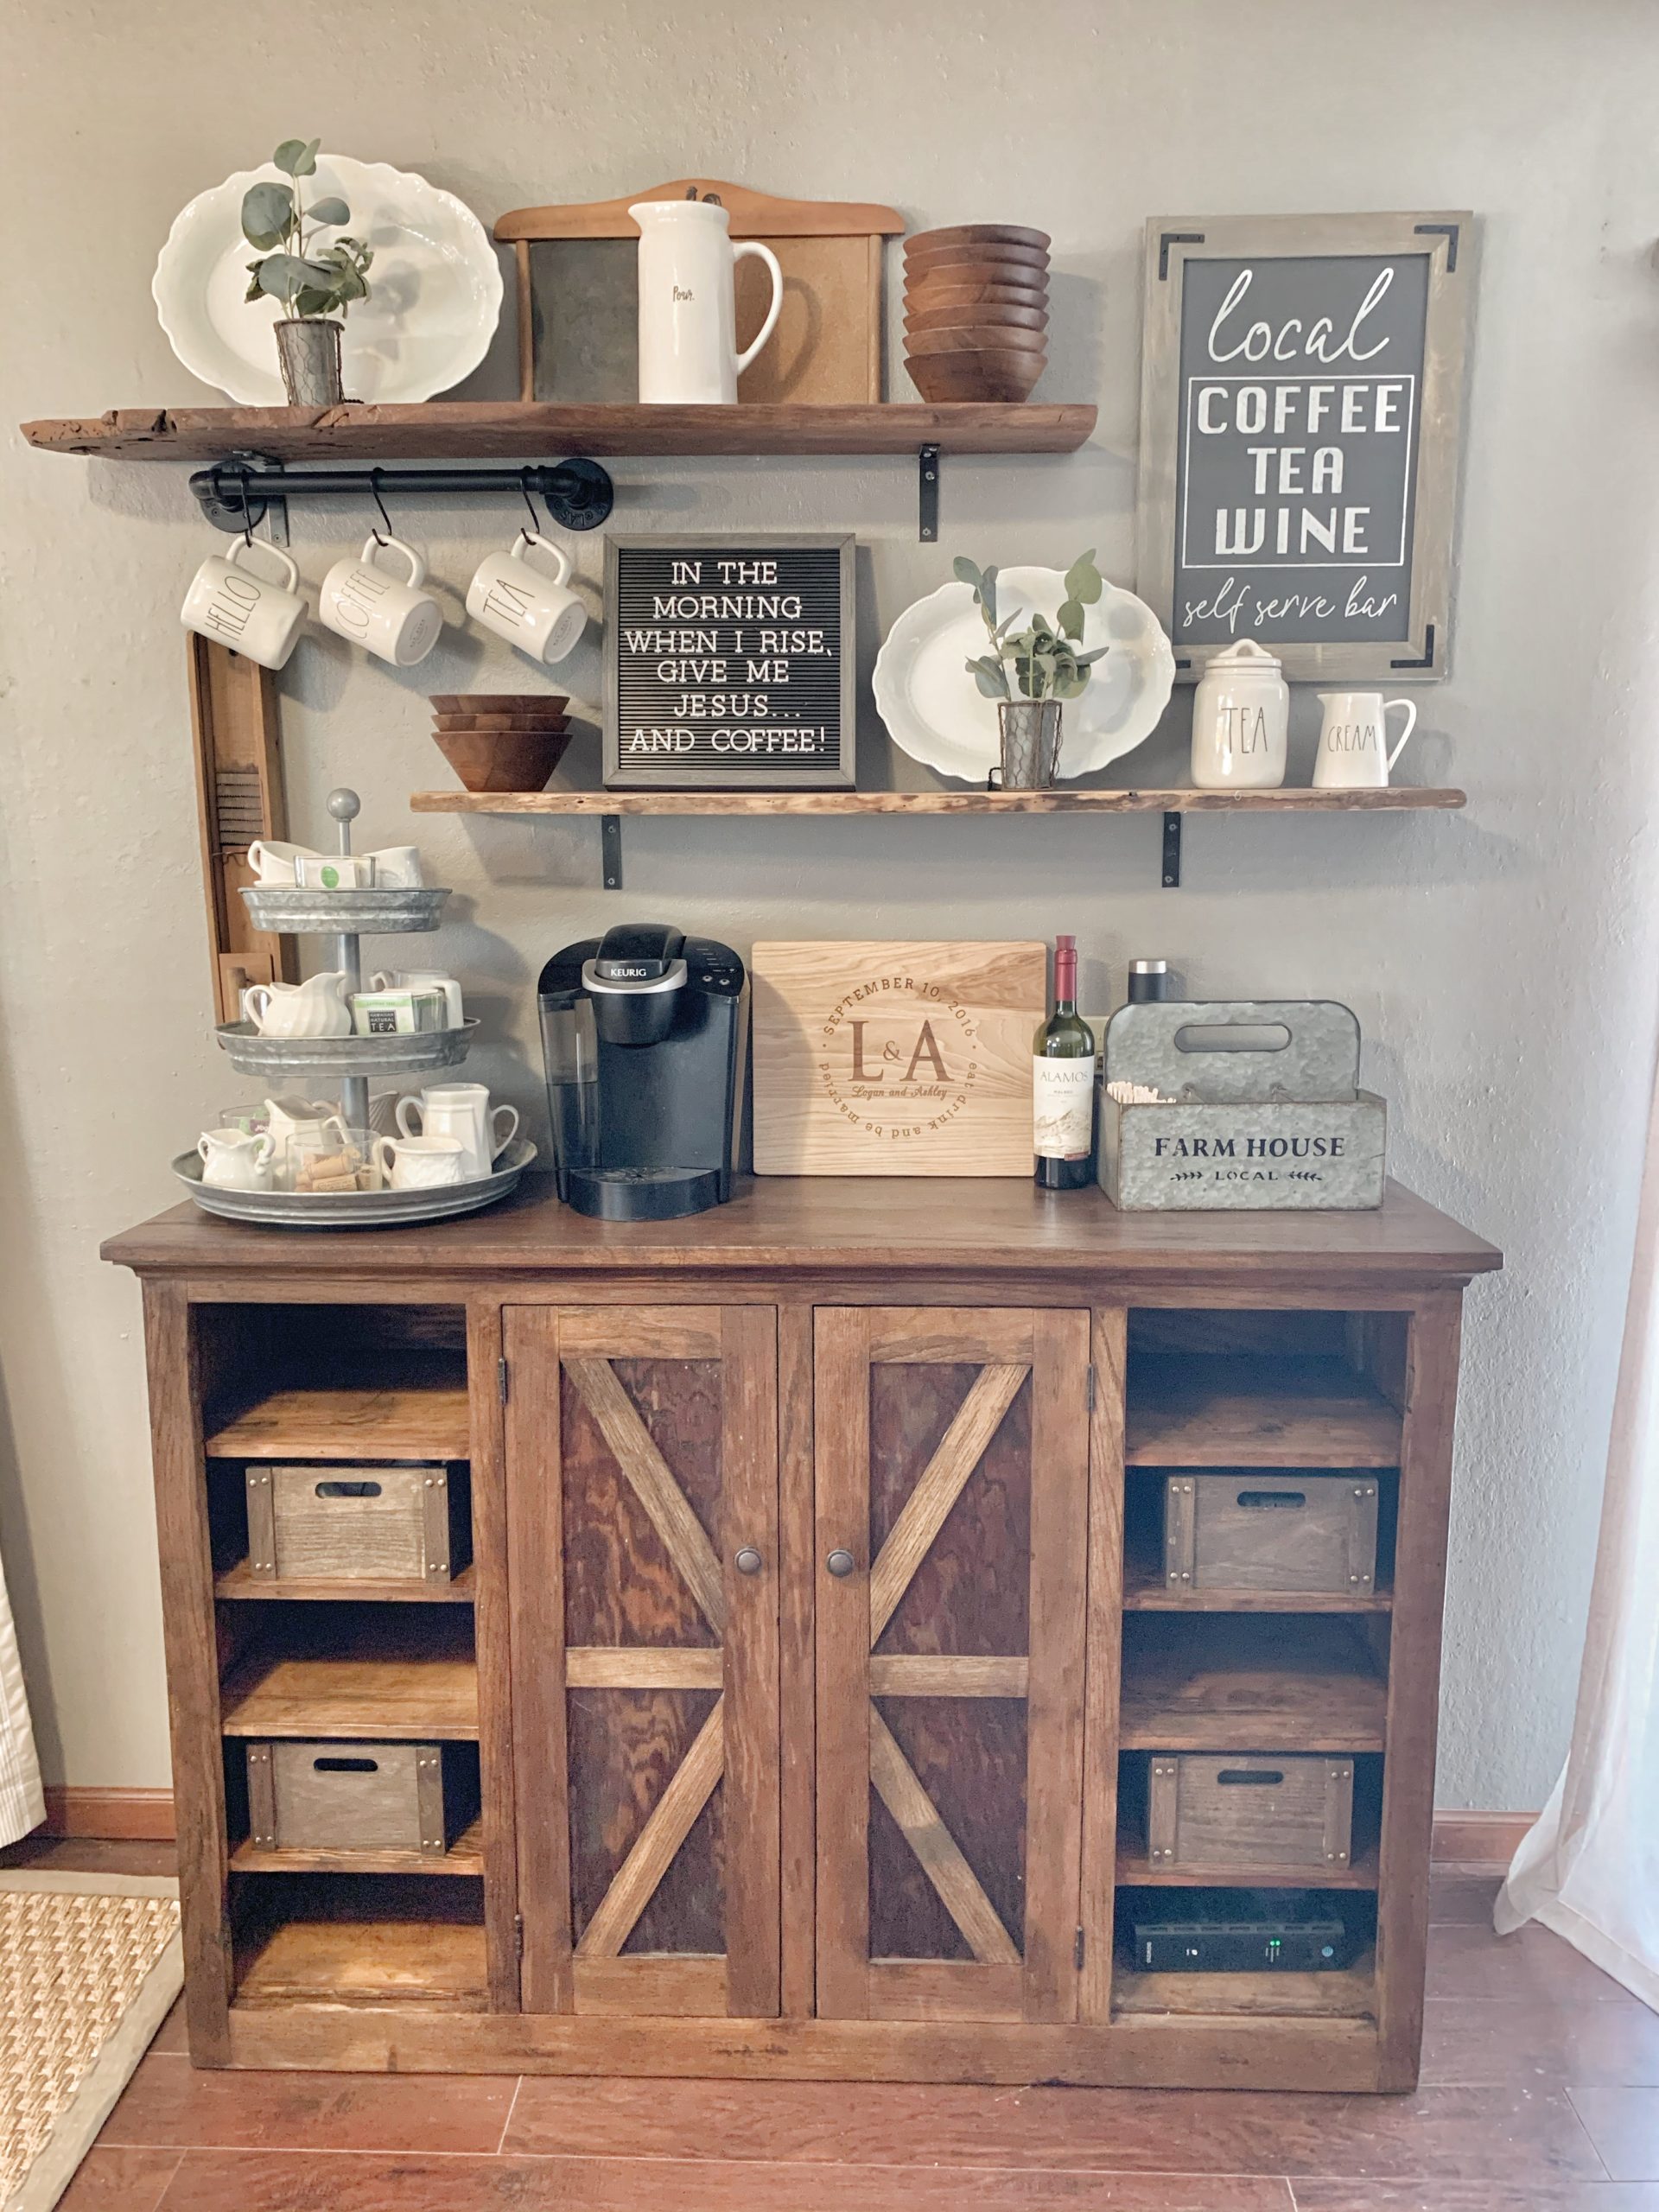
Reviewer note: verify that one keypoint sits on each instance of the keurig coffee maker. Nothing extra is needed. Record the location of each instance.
(643, 1031)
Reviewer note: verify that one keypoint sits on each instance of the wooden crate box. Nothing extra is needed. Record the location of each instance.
(1294, 1533)
(343, 1523)
(356, 1796)
(1247, 1812)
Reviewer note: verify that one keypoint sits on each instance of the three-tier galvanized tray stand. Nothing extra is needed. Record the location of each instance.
(347, 917)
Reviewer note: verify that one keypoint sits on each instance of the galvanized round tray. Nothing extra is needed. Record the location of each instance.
(253, 1054)
(355, 1209)
(342, 914)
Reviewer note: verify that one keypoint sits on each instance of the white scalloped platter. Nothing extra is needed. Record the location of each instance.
(435, 288)
(933, 708)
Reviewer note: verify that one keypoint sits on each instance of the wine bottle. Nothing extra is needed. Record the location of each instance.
(1063, 1083)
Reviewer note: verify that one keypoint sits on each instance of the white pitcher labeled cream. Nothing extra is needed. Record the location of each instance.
(688, 312)
(1353, 753)
(1241, 719)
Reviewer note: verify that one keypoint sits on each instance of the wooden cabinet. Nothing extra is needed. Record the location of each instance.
(951, 1513)
(642, 1481)
(815, 1650)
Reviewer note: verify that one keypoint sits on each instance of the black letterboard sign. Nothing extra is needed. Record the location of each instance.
(728, 661)
(1300, 405)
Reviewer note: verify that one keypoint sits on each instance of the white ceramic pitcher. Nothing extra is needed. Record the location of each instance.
(315, 1008)
(688, 314)
(1353, 753)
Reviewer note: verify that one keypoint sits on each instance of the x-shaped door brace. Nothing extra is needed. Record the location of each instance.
(925, 1513)
(693, 1782)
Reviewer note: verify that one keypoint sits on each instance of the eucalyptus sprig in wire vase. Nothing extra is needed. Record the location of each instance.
(1048, 666)
(316, 283)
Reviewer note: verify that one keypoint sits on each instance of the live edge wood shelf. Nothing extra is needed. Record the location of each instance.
(813, 1652)
(1396, 797)
(518, 430)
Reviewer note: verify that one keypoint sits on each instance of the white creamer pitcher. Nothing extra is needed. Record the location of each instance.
(1353, 753)
(688, 312)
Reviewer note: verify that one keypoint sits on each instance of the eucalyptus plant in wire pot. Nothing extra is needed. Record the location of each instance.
(315, 282)
(1047, 665)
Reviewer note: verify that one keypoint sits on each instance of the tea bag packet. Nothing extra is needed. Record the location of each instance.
(398, 1012)
(334, 871)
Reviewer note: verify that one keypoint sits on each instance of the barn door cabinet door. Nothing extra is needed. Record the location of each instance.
(642, 1461)
(952, 1453)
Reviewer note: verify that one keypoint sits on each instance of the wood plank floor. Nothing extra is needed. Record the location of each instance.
(1541, 2094)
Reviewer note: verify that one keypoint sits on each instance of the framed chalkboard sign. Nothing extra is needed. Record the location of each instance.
(729, 662)
(1299, 403)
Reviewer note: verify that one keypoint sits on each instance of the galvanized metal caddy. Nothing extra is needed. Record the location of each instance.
(1271, 1118)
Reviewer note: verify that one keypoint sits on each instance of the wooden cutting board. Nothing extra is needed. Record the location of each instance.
(895, 1059)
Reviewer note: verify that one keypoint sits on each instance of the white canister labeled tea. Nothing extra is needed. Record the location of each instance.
(1240, 721)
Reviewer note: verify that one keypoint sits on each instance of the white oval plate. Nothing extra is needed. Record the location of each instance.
(933, 708)
(434, 289)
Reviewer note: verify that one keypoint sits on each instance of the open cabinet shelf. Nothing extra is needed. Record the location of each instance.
(1216, 1411)
(412, 1680)
(464, 1856)
(237, 1584)
(1238, 1682)
(1347, 1995)
(418, 1423)
(1145, 1593)
(356, 1938)
(1136, 1871)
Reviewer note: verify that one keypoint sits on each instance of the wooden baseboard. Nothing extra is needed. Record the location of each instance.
(113, 1815)
(1479, 1839)
(146, 1816)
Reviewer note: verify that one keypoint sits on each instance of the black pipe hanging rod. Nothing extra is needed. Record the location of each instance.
(235, 494)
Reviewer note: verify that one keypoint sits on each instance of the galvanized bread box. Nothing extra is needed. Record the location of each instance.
(1243, 1104)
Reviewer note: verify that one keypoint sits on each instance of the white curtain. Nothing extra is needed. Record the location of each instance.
(22, 1806)
(1589, 1868)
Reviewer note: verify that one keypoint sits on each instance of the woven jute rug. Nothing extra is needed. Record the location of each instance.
(89, 1964)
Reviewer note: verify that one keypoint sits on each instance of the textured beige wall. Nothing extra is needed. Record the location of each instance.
(1500, 963)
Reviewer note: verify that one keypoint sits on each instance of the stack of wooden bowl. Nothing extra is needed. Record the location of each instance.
(501, 740)
(976, 311)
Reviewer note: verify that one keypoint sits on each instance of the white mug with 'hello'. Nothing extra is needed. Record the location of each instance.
(232, 603)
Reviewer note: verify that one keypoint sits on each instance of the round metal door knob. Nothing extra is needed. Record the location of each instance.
(841, 1564)
(748, 1560)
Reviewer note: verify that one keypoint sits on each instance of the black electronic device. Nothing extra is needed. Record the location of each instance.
(642, 1032)
(1280, 1945)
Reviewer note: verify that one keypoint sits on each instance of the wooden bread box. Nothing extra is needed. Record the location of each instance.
(1253, 1530)
(341, 1523)
(1245, 1813)
(345, 1796)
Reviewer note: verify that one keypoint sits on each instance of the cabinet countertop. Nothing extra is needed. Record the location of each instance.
(838, 1224)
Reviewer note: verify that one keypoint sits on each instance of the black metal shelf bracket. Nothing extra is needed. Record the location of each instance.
(610, 850)
(1171, 851)
(239, 494)
(928, 495)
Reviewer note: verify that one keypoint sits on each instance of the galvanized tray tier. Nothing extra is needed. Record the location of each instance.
(355, 1209)
(343, 913)
(253, 1054)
